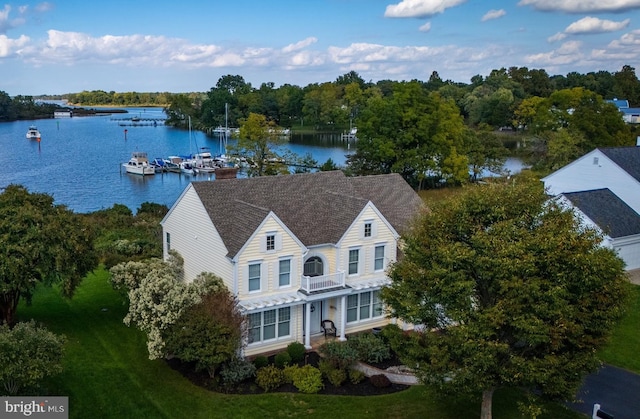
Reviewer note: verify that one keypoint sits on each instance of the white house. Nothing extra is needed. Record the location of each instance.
(619, 223)
(604, 186)
(295, 249)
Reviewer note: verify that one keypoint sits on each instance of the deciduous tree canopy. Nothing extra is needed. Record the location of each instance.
(511, 290)
(40, 243)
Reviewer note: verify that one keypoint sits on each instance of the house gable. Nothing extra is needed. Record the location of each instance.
(609, 168)
(271, 243)
(188, 229)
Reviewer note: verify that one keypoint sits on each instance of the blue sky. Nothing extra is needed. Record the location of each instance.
(68, 46)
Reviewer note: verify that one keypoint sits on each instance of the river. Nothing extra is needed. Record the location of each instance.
(79, 160)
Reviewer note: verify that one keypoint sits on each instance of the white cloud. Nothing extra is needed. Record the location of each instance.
(568, 53)
(300, 45)
(557, 37)
(582, 6)
(589, 24)
(420, 8)
(10, 46)
(425, 28)
(493, 14)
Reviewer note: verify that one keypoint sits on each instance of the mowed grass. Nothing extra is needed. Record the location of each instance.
(108, 375)
(622, 351)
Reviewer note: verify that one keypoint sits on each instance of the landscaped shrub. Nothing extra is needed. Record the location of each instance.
(325, 366)
(380, 381)
(340, 354)
(282, 359)
(356, 376)
(337, 377)
(269, 378)
(308, 379)
(370, 347)
(261, 362)
(296, 351)
(236, 371)
(290, 372)
(394, 336)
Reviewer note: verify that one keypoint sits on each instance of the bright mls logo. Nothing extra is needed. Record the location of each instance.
(45, 407)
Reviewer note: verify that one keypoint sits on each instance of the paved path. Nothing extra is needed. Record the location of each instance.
(615, 389)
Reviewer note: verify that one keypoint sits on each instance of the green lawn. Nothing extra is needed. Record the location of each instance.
(622, 350)
(108, 375)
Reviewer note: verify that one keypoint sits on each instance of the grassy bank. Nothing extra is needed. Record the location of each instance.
(108, 375)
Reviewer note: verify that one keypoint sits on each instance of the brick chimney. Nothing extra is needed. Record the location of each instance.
(226, 173)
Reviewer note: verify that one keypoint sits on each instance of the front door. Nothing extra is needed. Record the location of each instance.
(316, 317)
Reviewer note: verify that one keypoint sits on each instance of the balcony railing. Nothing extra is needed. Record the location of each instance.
(323, 282)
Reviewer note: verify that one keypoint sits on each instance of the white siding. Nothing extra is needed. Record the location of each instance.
(287, 246)
(353, 239)
(628, 248)
(196, 239)
(595, 171)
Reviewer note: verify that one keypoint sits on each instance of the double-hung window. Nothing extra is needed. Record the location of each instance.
(270, 324)
(354, 259)
(378, 260)
(364, 306)
(254, 277)
(284, 276)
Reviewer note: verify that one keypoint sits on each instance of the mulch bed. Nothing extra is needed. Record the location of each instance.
(364, 388)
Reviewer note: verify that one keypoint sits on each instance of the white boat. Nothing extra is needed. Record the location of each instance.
(186, 168)
(33, 133)
(139, 164)
(172, 164)
(203, 161)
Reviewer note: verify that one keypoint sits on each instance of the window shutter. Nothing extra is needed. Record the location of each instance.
(278, 241)
(295, 275)
(263, 244)
(374, 229)
(369, 261)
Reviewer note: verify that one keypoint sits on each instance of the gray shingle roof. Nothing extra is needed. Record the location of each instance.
(628, 158)
(317, 207)
(608, 211)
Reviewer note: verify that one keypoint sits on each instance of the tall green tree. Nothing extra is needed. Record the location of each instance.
(258, 143)
(411, 132)
(511, 290)
(40, 243)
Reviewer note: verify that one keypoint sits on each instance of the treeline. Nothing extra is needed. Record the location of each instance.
(486, 101)
(23, 107)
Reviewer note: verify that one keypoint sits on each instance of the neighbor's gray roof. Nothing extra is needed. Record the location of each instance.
(628, 158)
(317, 207)
(608, 211)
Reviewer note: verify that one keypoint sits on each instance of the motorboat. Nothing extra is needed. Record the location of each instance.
(187, 168)
(33, 133)
(139, 164)
(172, 164)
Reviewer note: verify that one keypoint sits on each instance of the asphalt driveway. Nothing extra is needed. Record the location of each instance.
(615, 389)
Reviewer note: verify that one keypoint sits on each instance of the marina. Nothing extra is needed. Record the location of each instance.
(79, 160)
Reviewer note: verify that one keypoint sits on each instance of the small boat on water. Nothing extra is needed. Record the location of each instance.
(139, 164)
(33, 133)
(186, 168)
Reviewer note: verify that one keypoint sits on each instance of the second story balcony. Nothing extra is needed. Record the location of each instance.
(311, 284)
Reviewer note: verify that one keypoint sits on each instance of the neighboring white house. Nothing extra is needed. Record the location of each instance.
(620, 224)
(604, 186)
(295, 249)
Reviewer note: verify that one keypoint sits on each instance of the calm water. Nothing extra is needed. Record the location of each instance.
(79, 160)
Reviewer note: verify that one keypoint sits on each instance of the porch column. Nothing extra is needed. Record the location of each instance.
(343, 318)
(307, 325)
